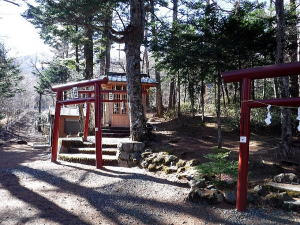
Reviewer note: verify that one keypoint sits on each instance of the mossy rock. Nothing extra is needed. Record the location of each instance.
(276, 199)
(169, 170)
(152, 167)
(159, 159)
(181, 163)
(181, 169)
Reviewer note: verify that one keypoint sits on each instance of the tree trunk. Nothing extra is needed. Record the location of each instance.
(172, 93)
(293, 47)
(286, 134)
(108, 23)
(39, 127)
(218, 110)
(133, 41)
(264, 88)
(172, 97)
(77, 53)
(159, 105)
(236, 87)
(88, 53)
(226, 92)
(178, 94)
(276, 87)
(223, 94)
(202, 98)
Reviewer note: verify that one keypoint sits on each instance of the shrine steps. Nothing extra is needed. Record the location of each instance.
(115, 132)
(86, 154)
(105, 151)
(88, 159)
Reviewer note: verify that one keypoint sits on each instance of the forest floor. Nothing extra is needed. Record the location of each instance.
(35, 191)
(190, 138)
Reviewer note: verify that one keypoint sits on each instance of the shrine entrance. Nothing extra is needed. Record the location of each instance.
(93, 93)
(245, 77)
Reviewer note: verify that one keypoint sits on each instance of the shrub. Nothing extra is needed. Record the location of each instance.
(218, 166)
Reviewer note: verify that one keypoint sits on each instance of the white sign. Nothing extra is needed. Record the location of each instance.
(110, 96)
(74, 92)
(243, 139)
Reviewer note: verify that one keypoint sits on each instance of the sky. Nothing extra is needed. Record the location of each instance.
(19, 36)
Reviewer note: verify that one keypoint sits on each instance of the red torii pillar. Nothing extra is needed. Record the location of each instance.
(245, 76)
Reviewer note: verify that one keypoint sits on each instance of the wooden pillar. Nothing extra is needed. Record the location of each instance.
(98, 128)
(241, 202)
(56, 127)
(87, 119)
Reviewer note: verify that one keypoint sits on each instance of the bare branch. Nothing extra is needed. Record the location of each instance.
(120, 19)
(11, 2)
(113, 31)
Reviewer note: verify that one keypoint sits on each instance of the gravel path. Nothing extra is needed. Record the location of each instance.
(35, 191)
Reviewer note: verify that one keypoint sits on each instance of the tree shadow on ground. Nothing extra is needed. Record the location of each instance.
(127, 176)
(111, 205)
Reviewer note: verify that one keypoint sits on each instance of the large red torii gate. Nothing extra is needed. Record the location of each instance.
(92, 96)
(245, 77)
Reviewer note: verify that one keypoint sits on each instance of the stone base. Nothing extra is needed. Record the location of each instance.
(130, 153)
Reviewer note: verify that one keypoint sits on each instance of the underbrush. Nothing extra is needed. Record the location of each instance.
(219, 169)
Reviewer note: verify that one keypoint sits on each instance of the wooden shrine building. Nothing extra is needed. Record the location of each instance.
(115, 114)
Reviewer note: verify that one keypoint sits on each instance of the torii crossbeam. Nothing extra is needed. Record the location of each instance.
(245, 77)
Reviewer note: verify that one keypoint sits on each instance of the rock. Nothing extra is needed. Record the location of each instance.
(193, 162)
(181, 176)
(170, 160)
(152, 167)
(22, 142)
(124, 156)
(181, 163)
(211, 186)
(135, 157)
(288, 178)
(146, 154)
(197, 183)
(181, 170)
(144, 164)
(159, 159)
(169, 170)
(138, 146)
(276, 199)
(229, 196)
(203, 194)
(260, 190)
(293, 204)
(126, 146)
(285, 187)
(148, 150)
(253, 197)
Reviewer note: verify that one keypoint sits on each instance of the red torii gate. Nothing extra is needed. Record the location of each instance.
(245, 76)
(93, 96)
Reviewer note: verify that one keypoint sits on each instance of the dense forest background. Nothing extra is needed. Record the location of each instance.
(184, 45)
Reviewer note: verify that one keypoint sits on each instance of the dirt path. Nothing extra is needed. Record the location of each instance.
(35, 191)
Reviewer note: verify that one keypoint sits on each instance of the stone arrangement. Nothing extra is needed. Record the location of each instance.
(129, 153)
(165, 162)
(283, 192)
